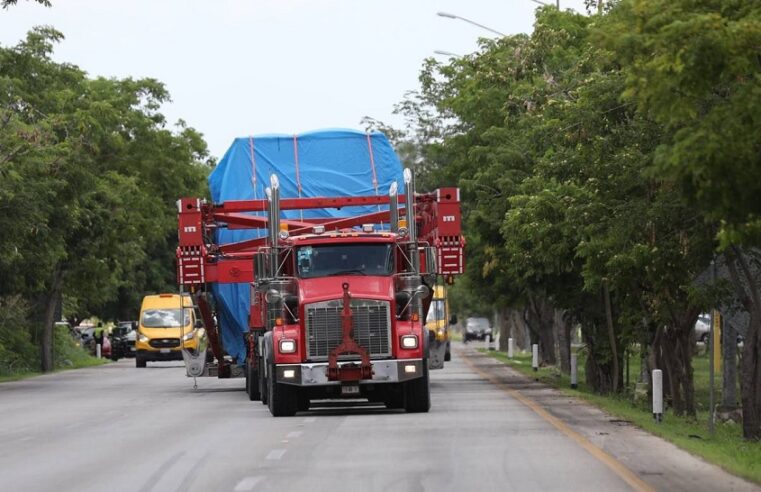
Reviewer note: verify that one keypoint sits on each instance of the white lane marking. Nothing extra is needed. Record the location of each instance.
(276, 454)
(27, 438)
(310, 420)
(293, 434)
(247, 483)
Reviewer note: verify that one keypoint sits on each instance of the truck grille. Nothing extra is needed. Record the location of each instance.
(164, 342)
(372, 327)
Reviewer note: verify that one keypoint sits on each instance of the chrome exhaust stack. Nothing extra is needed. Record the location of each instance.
(393, 206)
(409, 190)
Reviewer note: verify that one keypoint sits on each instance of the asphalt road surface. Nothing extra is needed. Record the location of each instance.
(121, 428)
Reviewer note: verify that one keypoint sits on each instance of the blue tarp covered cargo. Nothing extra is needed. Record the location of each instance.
(319, 163)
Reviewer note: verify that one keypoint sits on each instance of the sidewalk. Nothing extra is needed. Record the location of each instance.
(659, 463)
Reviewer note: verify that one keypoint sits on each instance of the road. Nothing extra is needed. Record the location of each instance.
(120, 428)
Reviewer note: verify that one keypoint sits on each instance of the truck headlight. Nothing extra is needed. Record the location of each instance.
(409, 341)
(189, 335)
(143, 338)
(287, 346)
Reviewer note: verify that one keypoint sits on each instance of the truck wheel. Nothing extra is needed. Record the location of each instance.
(417, 394)
(282, 399)
(262, 382)
(252, 383)
(448, 354)
(139, 361)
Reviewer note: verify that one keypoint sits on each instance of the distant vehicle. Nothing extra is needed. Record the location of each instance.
(703, 328)
(123, 338)
(161, 333)
(477, 329)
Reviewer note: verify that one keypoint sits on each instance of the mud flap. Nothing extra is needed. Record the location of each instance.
(195, 362)
(436, 353)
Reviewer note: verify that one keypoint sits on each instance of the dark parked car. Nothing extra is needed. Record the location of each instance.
(477, 329)
(123, 340)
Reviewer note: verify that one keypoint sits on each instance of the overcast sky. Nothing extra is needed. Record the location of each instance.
(246, 67)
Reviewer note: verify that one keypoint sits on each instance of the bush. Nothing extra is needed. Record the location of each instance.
(18, 353)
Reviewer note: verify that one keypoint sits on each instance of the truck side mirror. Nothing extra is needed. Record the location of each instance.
(453, 319)
(134, 325)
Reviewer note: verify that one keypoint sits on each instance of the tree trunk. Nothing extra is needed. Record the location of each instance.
(564, 340)
(729, 371)
(750, 379)
(598, 374)
(503, 322)
(518, 330)
(51, 300)
(540, 320)
(611, 335)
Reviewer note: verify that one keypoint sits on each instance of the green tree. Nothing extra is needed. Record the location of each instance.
(91, 175)
(694, 66)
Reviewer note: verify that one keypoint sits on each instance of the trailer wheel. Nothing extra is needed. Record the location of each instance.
(282, 399)
(252, 383)
(417, 394)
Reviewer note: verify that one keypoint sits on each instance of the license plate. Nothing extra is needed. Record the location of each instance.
(165, 351)
(350, 389)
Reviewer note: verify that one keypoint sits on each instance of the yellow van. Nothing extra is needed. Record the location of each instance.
(437, 322)
(160, 329)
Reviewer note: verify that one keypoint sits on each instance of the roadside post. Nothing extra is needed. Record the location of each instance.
(713, 357)
(535, 357)
(574, 367)
(97, 350)
(658, 395)
(510, 348)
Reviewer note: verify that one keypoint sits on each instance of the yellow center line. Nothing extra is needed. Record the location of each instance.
(615, 466)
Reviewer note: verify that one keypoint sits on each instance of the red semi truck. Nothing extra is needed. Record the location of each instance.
(337, 304)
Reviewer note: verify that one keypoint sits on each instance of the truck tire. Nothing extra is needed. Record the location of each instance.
(282, 398)
(139, 361)
(263, 391)
(252, 383)
(417, 394)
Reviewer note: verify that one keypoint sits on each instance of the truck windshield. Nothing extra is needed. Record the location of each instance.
(436, 312)
(345, 259)
(164, 318)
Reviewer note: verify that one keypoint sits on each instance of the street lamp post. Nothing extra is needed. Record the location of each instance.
(453, 16)
(557, 4)
(446, 53)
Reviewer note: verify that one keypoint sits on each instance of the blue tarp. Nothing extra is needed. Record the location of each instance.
(320, 163)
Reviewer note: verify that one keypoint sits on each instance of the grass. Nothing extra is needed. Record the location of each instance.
(725, 448)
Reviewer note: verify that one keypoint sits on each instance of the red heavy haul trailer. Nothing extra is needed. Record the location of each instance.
(337, 304)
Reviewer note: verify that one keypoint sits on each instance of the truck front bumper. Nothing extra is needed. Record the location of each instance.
(316, 374)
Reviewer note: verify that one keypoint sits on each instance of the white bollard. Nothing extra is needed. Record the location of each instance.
(97, 350)
(510, 348)
(535, 357)
(574, 371)
(658, 395)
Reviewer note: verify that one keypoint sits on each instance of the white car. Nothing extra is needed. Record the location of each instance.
(703, 328)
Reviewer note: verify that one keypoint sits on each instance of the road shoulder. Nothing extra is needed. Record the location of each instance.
(660, 464)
